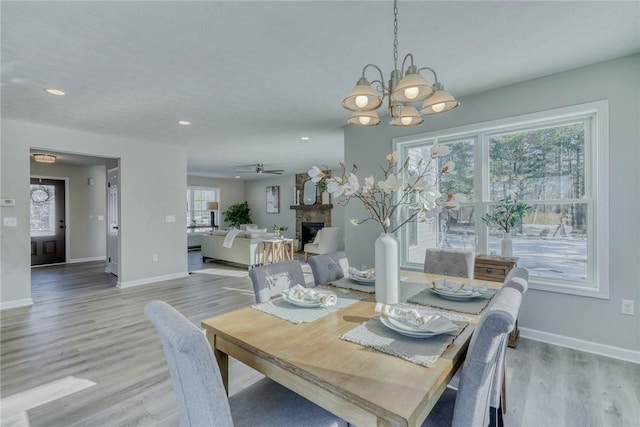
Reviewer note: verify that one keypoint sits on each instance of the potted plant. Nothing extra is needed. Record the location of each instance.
(279, 230)
(506, 214)
(237, 214)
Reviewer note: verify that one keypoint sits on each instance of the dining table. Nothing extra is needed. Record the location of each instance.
(363, 386)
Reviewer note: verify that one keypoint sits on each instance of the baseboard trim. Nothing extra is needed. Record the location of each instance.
(140, 282)
(582, 345)
(27, 302)
(95, 258)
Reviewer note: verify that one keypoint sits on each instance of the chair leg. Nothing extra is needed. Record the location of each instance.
(306, 256)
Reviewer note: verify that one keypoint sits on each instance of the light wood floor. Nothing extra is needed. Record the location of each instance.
(82, 325)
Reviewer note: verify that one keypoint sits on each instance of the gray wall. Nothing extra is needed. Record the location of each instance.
(153, 180)
(256, 195)
(582, 318)
(87, 234)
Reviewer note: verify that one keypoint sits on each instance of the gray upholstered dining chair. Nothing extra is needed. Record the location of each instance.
(269, 281)
(200, 393)
(450, 262)
(518, 280)
(469, 406)
(329, 267)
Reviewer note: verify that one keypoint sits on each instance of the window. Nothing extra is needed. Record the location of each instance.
(557, 162)
(198, 216)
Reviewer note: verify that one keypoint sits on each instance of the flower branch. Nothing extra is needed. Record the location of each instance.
(412, 186)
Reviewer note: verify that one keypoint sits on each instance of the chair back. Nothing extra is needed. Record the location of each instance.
(481, 364)
(329, 239)
(269, 281)
(449, 262)
(329, 267)
(518, 279)
(201, 397)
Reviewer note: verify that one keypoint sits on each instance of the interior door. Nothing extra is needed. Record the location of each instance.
(47, 221)
(113, 232)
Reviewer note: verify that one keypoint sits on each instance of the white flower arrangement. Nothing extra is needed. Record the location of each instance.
(413, 186)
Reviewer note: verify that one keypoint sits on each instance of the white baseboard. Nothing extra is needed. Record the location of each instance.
(132, 283)
(582, 345)
(95, 258)
(16, 303)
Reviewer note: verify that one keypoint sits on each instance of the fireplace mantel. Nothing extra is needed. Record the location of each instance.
(310, 207)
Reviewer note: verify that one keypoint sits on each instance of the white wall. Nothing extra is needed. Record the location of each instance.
(153, 181)
(87, 234)
(577, 318)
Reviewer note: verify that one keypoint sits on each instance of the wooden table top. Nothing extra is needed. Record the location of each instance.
(361, 385)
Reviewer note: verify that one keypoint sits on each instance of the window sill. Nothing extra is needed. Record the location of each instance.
(540, 284)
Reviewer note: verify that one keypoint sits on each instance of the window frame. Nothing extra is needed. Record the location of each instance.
(190, 191)
(596, 115)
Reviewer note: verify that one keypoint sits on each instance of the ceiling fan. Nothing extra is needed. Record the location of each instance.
(259, 169)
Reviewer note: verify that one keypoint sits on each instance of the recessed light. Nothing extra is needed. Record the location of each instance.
(237, 176)
(56, 92)
(44, 158)
(184, 122)
(304, 138)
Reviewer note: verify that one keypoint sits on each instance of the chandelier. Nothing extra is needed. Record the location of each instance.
(405, 88)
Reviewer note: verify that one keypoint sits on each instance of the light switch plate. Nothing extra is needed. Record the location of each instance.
(100, 217)
(171, 218)
(10, 222)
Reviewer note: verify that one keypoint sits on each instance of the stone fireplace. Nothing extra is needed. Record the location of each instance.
(309, 214)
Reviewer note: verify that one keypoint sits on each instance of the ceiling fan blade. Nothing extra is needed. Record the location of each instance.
(274, 171)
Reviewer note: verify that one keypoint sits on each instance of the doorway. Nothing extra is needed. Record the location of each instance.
(113, 231)
(47, 221)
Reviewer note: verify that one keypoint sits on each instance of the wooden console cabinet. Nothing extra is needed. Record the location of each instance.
(496, 268)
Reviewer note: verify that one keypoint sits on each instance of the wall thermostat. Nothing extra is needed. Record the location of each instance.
(7, 202)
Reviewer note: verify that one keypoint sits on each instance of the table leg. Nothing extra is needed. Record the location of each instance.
(222, 359)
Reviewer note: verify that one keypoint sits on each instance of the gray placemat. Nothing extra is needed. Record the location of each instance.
(473, 306)
(349, 284)
(422, 351)
(346, 283)
(294, 314)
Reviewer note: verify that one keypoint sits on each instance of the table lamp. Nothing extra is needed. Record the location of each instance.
(213, 207)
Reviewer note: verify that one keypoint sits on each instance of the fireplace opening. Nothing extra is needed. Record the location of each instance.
(309, 231)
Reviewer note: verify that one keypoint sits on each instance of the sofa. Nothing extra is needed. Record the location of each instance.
(246, 248)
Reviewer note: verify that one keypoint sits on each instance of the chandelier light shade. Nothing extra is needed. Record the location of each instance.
(362, 97)
(441, 102)
(404, 87)
(407, 116)
(44, 158)
(412, 88)
(364, 118)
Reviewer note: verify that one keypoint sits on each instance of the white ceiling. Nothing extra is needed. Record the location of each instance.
(253, 77)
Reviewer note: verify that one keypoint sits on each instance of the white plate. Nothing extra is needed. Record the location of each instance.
(455, 296)
(304, 303)
(362, 280)
(413, 333)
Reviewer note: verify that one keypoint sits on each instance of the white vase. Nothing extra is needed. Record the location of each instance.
(506, 245)
(387, 250)
(325, 197)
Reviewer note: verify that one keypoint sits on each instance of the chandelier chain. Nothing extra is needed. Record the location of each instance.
(395, 34)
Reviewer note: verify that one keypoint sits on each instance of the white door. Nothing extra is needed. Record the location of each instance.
(113, 232)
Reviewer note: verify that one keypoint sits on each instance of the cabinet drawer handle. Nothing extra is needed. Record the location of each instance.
(488, 270)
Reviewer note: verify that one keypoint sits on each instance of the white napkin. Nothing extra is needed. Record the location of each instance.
(414, 319)
(305, 294)
(458, 288)
(366, 274)
(404, 315)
